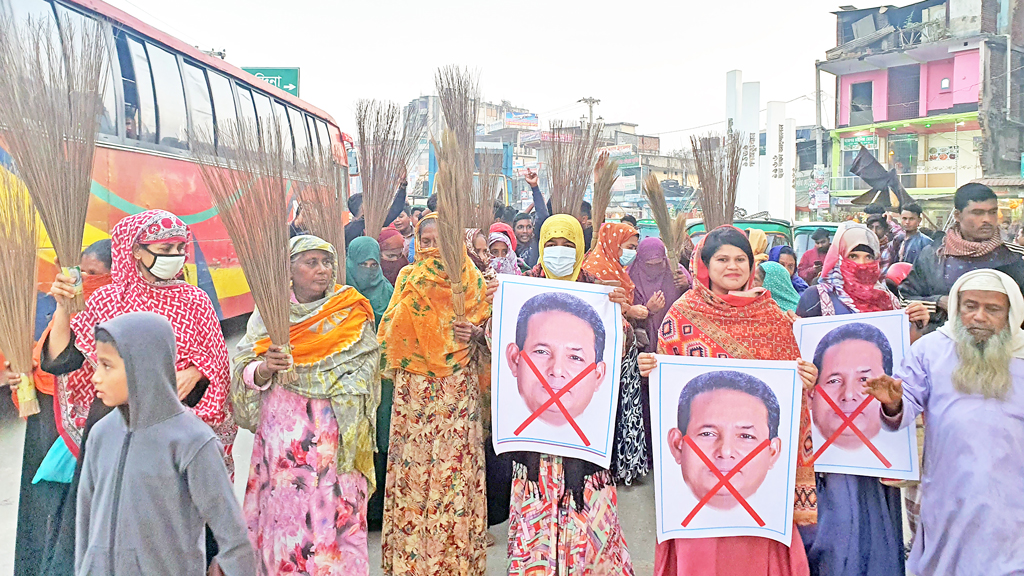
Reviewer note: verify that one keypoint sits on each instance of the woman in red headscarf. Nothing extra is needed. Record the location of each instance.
(148, 252)
(721, 317)
(392, 253)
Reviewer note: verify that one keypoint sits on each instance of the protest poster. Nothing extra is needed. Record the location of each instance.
(726, 435)
(555, 364)
(846, 425)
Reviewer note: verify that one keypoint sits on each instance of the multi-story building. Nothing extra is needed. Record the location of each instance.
(928, 90)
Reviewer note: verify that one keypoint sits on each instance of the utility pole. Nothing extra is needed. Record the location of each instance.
(590, 101)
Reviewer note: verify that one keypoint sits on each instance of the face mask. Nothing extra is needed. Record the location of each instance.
(627, 257)
(165, 267)
(560, 260)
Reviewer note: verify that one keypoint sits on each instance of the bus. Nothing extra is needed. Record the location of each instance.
(158, 90)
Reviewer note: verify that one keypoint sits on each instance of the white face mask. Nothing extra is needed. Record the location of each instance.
(560, 260)
(628, 255)
(165, 267)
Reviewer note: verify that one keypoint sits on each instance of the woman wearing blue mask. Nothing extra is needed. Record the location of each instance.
(571, 501)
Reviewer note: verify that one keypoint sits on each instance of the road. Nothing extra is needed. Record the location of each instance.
(636, 503)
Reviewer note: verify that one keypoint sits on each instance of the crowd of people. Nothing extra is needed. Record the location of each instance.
(378, 412)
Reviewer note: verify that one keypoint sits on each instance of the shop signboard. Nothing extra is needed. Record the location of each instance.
(624, 154)
(854, 143)
(521, 120)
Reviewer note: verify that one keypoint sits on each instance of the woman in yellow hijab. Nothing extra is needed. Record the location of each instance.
(435, 508)
(759, 244)
(561, 506)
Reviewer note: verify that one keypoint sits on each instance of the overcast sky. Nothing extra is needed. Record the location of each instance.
(659, 64)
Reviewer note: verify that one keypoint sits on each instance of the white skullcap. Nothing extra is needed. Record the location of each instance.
(988, 280)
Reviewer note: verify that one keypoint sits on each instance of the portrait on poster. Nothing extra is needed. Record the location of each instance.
(556, 350)
(846, 425)
(725, 447)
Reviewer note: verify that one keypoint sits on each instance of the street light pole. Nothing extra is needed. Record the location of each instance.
(590, 101)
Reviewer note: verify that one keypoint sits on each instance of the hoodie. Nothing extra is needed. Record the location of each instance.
(153, 474)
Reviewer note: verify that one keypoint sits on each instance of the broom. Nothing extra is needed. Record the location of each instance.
(50, 101)
(571, 166)
(322, 194)
(659, 209)
(18, 285)
(386, 146)
(452, 215)
(717, 160)
(606, 174)
(485, 192)
(247, 184)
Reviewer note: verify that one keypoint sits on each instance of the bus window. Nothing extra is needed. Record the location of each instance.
(325, 136)
(265, 111)
(281, 115)
(79, 23)
(139, 104)
(299, 131)
(223, 101)
(247, 110)
(170, 96)
(200, 105)
(311, 127)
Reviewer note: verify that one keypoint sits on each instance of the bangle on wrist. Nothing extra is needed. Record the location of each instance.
(260, 374)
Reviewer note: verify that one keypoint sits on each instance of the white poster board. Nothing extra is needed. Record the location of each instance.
(742, 420)
(849, 349)
(556, 350)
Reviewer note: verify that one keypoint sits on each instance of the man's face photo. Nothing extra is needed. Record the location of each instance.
(845, 367)
(560, 345)
(726, 424)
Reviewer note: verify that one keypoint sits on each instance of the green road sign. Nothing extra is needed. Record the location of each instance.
(286, 79)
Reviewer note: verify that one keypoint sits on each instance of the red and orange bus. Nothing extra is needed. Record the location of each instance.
(159, 89)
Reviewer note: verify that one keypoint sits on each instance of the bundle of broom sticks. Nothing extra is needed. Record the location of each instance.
(51, 99)
(246, 180)
(322, 194)
(718, 160)
(605, 175)
(386, 146)
(571, 166)
(671, 231)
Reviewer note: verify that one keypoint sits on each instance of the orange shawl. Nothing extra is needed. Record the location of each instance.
(329, 331)
(603, 260)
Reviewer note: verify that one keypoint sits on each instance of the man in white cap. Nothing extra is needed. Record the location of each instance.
(968, 380)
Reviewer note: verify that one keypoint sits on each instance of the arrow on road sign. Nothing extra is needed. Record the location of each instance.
(290, 87)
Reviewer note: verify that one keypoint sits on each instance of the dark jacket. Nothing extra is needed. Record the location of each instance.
(530, 251)
(154, 475)
(357, 227)
(934, 274)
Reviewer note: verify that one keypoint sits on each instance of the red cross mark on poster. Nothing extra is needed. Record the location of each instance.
(848, 422)
(723, 481)
(555, 399)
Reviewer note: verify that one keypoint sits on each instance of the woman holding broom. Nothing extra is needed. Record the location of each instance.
(568, 504)
(312, 461)
(148, 251)
(435, 510)
(615, 249)
(720, 316)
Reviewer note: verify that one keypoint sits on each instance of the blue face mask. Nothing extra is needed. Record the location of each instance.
(627, 257)
(560, 260)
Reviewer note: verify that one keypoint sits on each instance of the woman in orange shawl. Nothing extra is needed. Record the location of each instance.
(721, 317)
(312, 459)
(615, 249)
(435, 507)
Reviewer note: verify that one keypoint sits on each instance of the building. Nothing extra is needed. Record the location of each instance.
(926, 88)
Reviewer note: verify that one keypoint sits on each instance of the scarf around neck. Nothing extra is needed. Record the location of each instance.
(954, 244)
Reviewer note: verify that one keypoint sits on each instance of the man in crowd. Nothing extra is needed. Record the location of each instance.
(810, 262)
(630, 219)
(403, 222)
(966, 379)
(588, 226)
(527, 231)
(357, 226)
(880, 226)
(912, 241)
(972, 243)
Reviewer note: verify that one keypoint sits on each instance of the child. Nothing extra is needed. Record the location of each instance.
(153, 475)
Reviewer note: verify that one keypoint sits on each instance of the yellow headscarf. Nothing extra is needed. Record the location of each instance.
(562, 226)
(759, 244)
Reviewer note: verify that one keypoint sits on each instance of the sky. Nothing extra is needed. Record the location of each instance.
(658, 64)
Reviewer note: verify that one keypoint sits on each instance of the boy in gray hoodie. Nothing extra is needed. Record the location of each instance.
(153, 474)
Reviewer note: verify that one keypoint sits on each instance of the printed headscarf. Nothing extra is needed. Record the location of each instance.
(480, 263)
(778, 282)
(509, 264)
(416, 334)
(603, 261)
(569, 228)
(370, 282)
(858, 286)
(197, 331)
(758, 244)
(336, 358)
(651, 272)
(506, 230)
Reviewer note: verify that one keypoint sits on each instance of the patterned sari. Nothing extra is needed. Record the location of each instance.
(744, 325)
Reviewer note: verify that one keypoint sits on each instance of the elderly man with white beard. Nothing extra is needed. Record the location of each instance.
(968, 380)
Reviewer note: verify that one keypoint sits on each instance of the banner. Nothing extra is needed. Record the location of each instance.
(521, 120)
(556, 359)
